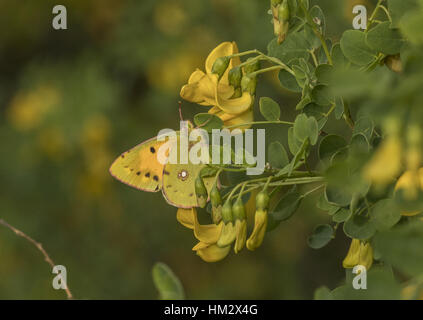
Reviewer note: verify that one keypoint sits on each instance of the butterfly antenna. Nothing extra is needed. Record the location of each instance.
(180, 111)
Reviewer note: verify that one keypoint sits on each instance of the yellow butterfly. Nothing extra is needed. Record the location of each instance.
(140, 168)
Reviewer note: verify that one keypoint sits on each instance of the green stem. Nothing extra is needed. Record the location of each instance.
(372, 17)
(259, 122)
(253, 74)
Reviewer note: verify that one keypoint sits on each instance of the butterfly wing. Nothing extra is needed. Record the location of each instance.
(179, 184)
(139, 167)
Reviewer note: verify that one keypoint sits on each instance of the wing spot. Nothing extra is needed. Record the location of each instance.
(152, 150)
(156, 178)
(166, 172)
(183, 175)
(147, 175)
(138, 173)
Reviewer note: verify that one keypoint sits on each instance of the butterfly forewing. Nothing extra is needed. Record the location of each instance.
(139, 167)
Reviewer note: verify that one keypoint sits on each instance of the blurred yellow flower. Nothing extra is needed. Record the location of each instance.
(170, 73)
(385, 165)
(208, 90)
(360, 253)
(410, 182)
(52, 143)
(27, 110)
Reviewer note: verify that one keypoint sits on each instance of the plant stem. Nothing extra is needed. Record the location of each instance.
(372, 17)
(259, 122)
(253, 74)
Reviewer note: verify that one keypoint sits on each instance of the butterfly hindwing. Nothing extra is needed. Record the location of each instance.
(179, 184)
(139, 167)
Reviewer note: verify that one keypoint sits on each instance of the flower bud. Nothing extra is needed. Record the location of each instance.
(227, 212)
(235, 76)
(394, 63)
(262, 200)
(216, 201)
(228, 233)
(220, 66)
(239, 215)
(201, 192)
(283, 11)
(252, 66)
(238, 210)
(249, 84)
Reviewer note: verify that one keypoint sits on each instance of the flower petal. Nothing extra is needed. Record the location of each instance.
(213, 253)
(186, 217)
(208, 233)
(236, 105)
(260, 224)
(359, 253)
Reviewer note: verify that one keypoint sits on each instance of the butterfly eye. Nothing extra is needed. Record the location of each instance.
(183, 175)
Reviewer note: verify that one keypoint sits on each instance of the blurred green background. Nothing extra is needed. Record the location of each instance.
(73, 100)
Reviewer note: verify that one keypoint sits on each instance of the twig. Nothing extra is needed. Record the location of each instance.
(39, 246)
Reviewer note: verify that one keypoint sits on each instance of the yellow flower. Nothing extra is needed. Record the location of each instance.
(260, 221)
(260, 224)
(360, 253)
(386, 163)
(410, 182)
(208, 90)
(208, 235)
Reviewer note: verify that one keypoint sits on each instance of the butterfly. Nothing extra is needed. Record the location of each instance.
(140, 168)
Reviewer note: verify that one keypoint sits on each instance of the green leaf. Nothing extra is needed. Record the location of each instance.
(324, 205)
(365, 126)
(321, 236)
(402, 247)
(384, 39)
(168, 285)
(323, 293)
(208, 121)
(269, 109)
(339, 108)
(298, 156)
(412, 27)
(323, 95)
(294, 47)
(306, 127)
(355, 48)
(385, 214)
(318, 17)
(381, 285)
(293, 143)
(285, 209)
(337, 196)
(288, 81)
(339, 60)
(304, 101)
(359, 227)
(331, 144)
(341, 216)
(398, 8)
(278, 158)
(324, 73)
